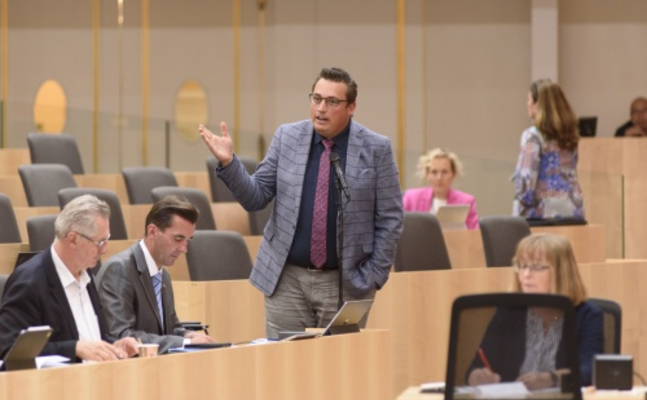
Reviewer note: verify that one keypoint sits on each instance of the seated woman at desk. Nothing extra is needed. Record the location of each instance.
(525, 345)
(439, 168)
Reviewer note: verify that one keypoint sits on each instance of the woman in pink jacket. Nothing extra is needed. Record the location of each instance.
(439, 168)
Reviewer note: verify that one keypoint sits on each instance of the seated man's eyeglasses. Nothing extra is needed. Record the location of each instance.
(331, 102)
(99, 243)
(531, 267)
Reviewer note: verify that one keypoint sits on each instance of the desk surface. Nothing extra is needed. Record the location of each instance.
(299, 370)
(638, 393)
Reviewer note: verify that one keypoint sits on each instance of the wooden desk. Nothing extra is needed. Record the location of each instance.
(11, 159)
(11, 185)
(613, 175)
(299, 370)
(416, 308)
(465, 248)
(638, 393)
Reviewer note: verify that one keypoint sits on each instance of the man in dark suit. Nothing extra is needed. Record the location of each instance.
(135, 287)
(297, 267)
(54, 288)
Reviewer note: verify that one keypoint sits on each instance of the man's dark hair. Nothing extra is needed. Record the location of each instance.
(162, 212)
(339, 75)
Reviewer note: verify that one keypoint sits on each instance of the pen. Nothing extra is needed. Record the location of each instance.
(484, 359)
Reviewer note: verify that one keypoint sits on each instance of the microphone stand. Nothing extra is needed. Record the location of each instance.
(340, 239)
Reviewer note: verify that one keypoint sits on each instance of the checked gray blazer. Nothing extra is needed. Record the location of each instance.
(373, 217)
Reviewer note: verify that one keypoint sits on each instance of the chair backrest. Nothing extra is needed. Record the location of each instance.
(258, 219)
(141, 180)
(55, 149)
(612, 324)
(40, 230)
(500, 235)
(422, 244)
(218, 255)
(490, 330)
(43, 181)
(117, 223)
(194, 196)
(9, 231)
(3, 281)
(219, 191)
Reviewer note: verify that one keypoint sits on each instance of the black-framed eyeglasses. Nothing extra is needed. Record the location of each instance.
(531, 267)
(99, 243)
(331, 102)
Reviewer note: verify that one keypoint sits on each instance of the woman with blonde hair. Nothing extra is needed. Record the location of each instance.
(525, 345)
(439, 168)
(546, 184)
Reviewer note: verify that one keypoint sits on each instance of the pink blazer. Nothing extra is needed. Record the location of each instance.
(419, 199)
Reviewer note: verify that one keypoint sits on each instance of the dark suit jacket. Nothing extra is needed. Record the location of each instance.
(127, 293)
(33, 296)
(504, 342)
(373, 216)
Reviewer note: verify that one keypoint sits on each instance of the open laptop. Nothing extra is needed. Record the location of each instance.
(348, 317)
(26, 347)
(588, 126)
(453, 216)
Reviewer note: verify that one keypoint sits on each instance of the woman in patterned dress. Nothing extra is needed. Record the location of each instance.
(546, 184)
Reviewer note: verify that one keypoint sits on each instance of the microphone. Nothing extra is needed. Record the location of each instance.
(336, 163)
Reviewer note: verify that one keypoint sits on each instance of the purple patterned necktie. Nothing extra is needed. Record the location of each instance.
(320, 210)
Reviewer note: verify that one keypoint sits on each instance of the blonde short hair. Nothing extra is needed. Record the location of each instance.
(558, 252)
(426, 159)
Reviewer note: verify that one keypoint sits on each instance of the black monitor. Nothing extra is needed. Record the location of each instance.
(588, 126)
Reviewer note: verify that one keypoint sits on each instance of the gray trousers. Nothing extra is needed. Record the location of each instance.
(304, 299)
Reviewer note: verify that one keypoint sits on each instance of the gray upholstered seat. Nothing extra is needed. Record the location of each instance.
(612, 324)
(40, 230)
(501, 234)
(43, 181)
(3, 281)
(9, 231)
(218, 255)
(117, 223)
(55, 149)
(194, 196)
(422, 244)
(141, 180)
(219, 191)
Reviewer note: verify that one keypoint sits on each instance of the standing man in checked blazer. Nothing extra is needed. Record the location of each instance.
(297, 267)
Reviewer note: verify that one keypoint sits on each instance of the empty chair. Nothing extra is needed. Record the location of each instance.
(9, 232)
(117, 223)
(55, 149)
(43, 181)
(218, 255)
(258, 219)
(141, 180)
(422, 244)
(219, 191)
(612, 324)
(500, 235)
(193, 196)
(40, 230)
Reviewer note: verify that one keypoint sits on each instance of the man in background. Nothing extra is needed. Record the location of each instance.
(637, 125)
(135, 287)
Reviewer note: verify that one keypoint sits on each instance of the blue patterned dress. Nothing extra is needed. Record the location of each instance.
(545, 179)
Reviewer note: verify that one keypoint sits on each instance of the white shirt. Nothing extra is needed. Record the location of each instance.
(77, 295)
(436, 204)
